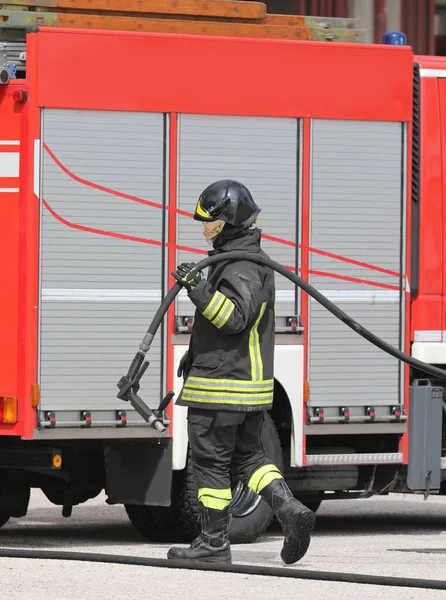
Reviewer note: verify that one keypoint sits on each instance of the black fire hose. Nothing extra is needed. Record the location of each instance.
(311, 291)
(128, 390)
(410, 582)
(129, 384)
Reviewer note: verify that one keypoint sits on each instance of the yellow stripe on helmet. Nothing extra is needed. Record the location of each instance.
(201, 212)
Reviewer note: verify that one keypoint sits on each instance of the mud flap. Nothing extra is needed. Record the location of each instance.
(138, 471)
(425, 430)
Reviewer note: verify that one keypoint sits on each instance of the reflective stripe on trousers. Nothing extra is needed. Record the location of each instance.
(216, 499)
(263, 477)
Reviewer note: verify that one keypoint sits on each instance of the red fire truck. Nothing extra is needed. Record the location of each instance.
(106, 143)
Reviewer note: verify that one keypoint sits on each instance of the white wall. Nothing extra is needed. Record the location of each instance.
(394, 15)
(363, 10)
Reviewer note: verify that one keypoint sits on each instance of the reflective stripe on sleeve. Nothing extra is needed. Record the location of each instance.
(219, 309)
(215, 303)
(224, 314)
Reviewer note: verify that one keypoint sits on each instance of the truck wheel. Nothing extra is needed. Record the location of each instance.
(4, 518)
(153, 522)
(180, 522)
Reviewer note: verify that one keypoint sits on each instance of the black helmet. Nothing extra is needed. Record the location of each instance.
(229, 201)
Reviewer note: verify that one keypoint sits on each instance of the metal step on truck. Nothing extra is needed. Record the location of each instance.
(107, 139)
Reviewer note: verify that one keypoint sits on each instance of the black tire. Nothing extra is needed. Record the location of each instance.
(16, 497)
(180, 522)
(153, 522)
(4, 518)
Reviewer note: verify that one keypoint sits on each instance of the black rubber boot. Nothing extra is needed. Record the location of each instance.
(212, 545)
(296, 520)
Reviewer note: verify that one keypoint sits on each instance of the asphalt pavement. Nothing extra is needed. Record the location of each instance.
(394, 535)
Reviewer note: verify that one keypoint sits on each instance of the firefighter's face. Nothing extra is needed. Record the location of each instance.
(212, 229)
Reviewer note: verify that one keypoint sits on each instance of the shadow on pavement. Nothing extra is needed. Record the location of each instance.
(86, 535)
(375, 524)
(103, 525)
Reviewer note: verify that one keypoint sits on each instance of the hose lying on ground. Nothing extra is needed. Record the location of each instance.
(142, 561)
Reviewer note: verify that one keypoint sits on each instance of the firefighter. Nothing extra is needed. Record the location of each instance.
(229, 382)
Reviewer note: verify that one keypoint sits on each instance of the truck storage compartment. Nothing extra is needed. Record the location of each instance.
(260, 152)
(356, 226)
(102, 263)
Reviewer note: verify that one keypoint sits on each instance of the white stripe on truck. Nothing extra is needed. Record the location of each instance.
(118, 295)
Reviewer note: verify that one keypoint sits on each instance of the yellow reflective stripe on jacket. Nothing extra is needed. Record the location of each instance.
(254, 348)
(241, 385)
(263, 477)
(219, 309)
(232, 394)
(215, 303)
(226, 398)
(224, 314)
(217, 499)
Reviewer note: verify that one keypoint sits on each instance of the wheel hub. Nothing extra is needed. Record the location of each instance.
(244, 500)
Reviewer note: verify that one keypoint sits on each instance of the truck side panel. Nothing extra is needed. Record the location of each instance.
(263, 154)
(190, 73)
(10, 117)
(356, 215)
(102, 262)
(9, 239)
(177, 75)
(9, 195)
(443, 209)
(427, 306)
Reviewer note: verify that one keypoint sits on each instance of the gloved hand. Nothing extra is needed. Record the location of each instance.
(183, 363)
(188, 276)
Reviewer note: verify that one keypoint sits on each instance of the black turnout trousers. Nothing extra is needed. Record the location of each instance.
(225, 443)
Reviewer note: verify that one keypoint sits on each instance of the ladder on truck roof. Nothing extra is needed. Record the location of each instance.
(196, 17)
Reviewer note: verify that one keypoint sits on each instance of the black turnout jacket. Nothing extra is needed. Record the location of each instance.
(231, 353)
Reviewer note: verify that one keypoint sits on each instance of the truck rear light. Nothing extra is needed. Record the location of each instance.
(8, 410)
(35, 395)
(306, 392)
(20, 96)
